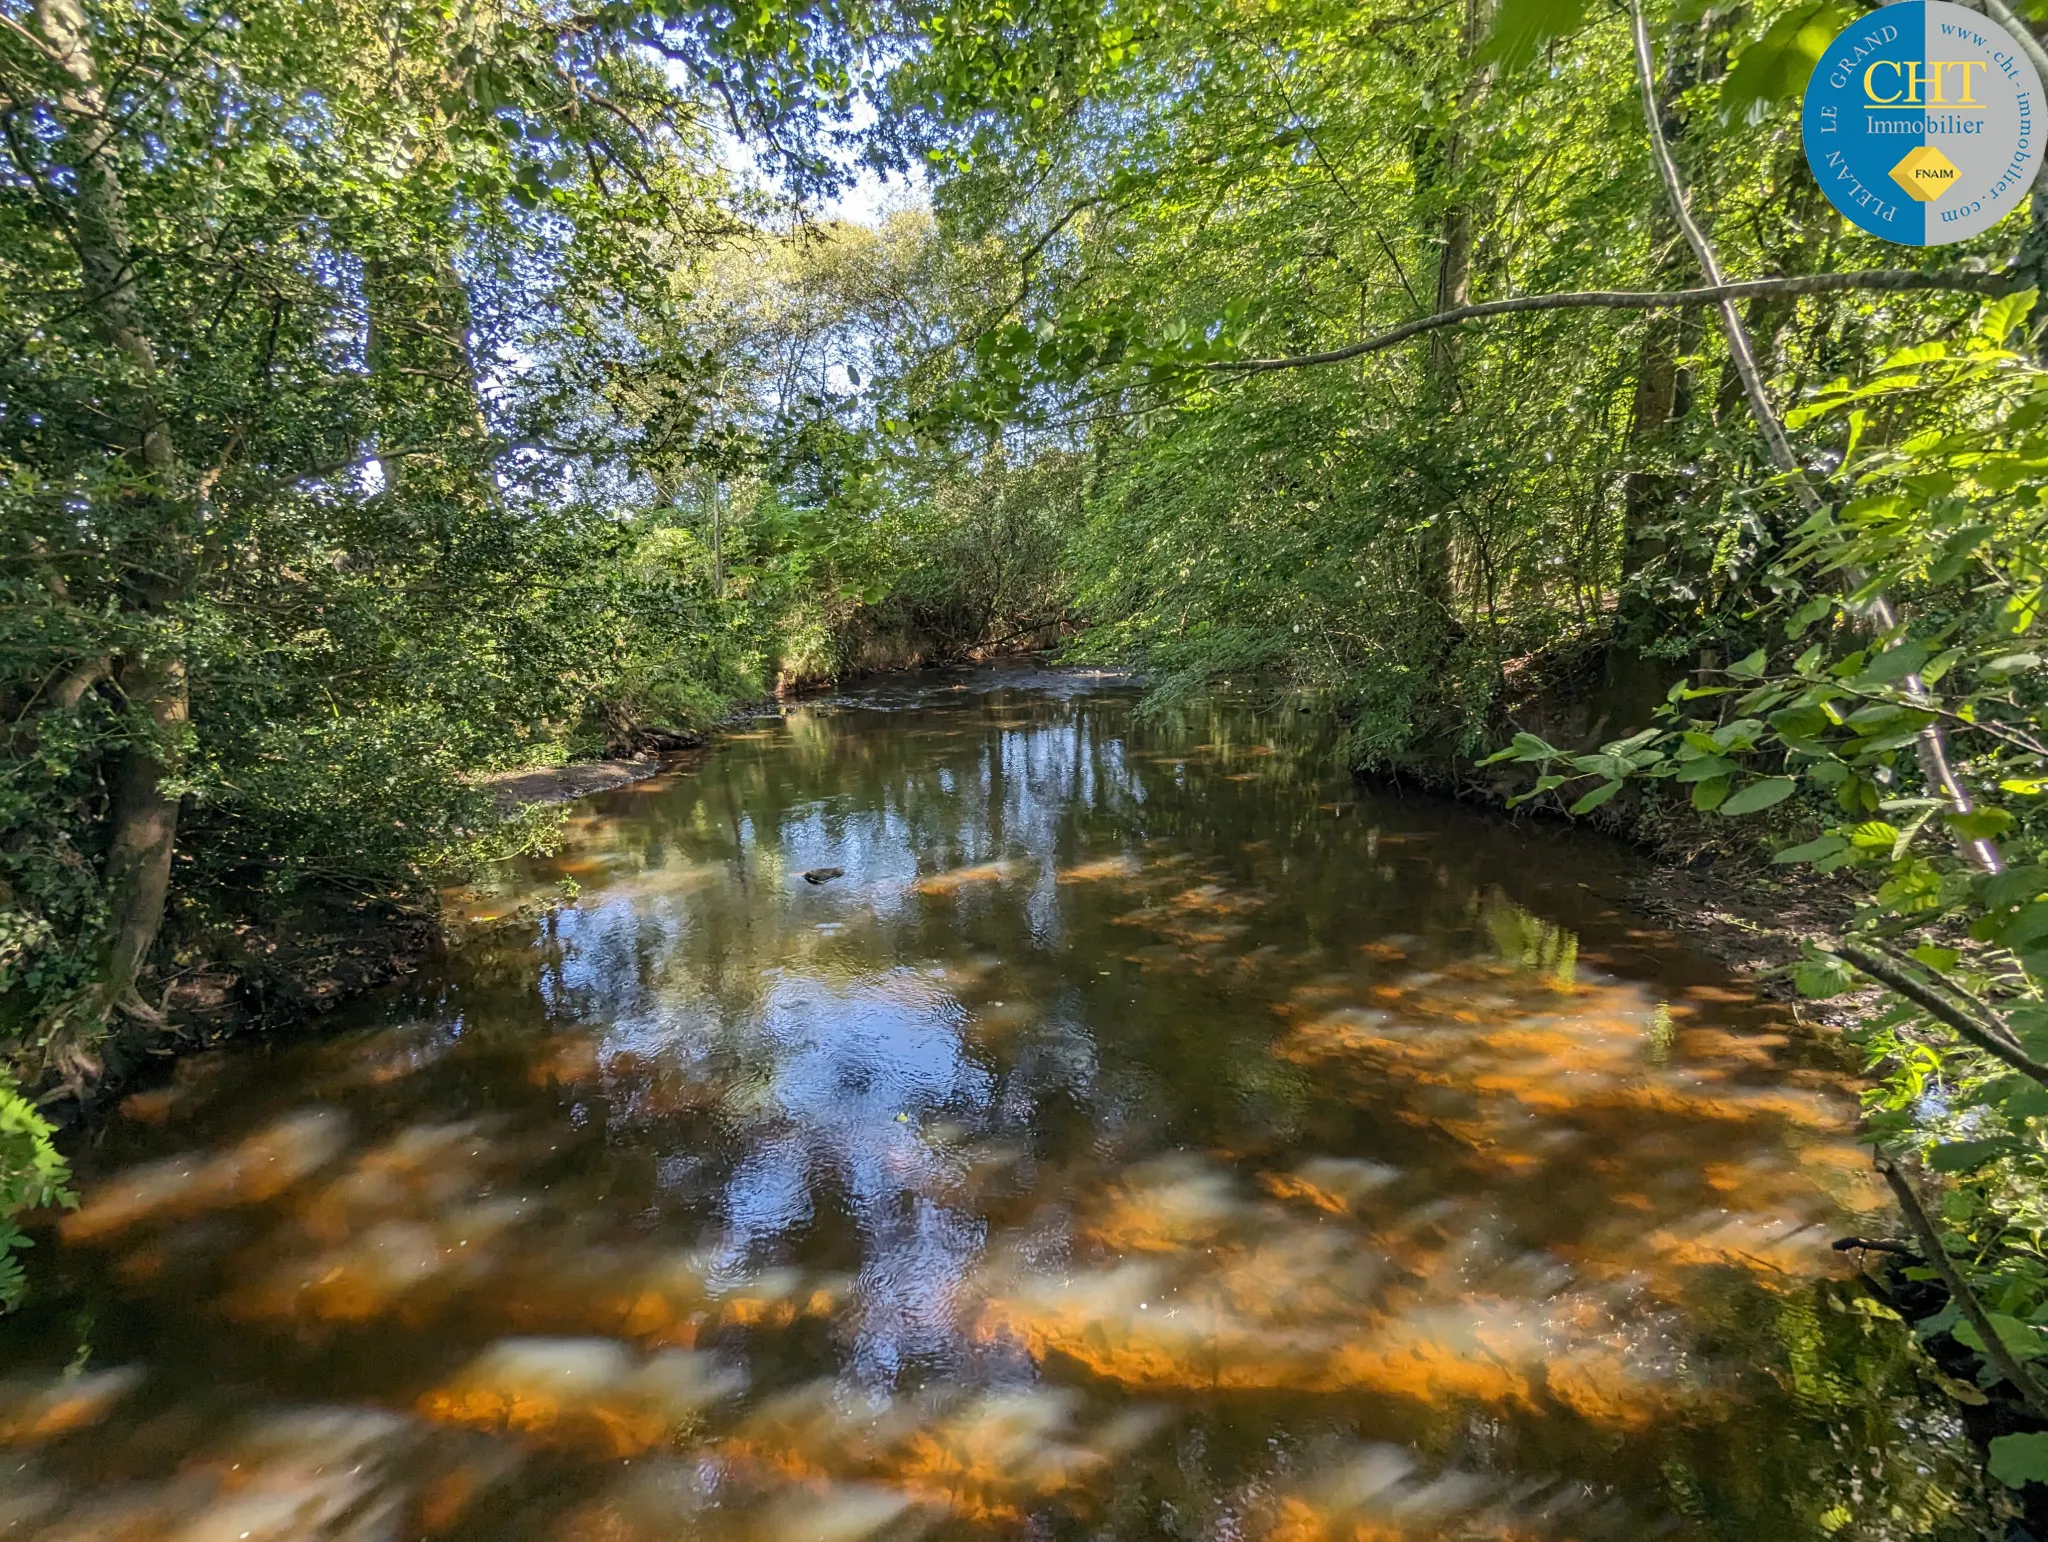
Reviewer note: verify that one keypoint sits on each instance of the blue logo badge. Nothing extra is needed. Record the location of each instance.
(1924, 123)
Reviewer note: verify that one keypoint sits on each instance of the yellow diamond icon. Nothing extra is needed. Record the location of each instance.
(1925, 173)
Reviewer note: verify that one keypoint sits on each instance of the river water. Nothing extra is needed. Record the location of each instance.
(1151, 1134)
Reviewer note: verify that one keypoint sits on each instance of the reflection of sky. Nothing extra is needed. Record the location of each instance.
(845, 1066)
(1049, 1081)
(857, 1073)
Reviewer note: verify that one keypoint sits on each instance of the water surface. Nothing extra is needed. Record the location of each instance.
(1150, 1135)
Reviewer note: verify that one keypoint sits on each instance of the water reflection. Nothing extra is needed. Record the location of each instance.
(1147, 1136)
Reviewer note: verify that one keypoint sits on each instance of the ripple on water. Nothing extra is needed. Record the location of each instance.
(1149, 1135)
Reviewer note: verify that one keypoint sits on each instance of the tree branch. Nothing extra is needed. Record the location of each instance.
(2030, 45)
(1958, 1288)
(1881, 280)
(1996, 1042)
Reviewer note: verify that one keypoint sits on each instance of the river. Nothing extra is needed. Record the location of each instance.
(1149, 1134)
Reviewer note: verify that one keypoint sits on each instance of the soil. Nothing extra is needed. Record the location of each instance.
(559, 784)
(1755, 919)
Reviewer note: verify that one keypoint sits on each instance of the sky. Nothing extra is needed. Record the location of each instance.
(873, 195)
(866, 202)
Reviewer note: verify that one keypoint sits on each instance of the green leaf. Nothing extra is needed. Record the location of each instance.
(1894, 664)
(2003, 314)
(2028, 924)
(1596, 797)
(1705, 767)
(1962, 1156)
(1804, 617)
(1524, 747)
(1543, 784)
(1707, 796)
(2014, 886)
(1822, 976)
(1524, 26)
(1956, 552)
(2017, 1460)
(1814, 850)
(1932, 671)
(2016, 1096)
(1801, 722)
(1634, 742)
(2020, 1340)
(1750, 668)
(1982, 824)
(1914, 886)
(1775, 68)
(1759, 795)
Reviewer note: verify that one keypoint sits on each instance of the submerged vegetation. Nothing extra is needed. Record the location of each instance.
(390, 395)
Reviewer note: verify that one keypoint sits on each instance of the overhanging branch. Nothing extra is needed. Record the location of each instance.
(1877, 280)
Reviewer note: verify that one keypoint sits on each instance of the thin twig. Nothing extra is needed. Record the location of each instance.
(1965, 1299)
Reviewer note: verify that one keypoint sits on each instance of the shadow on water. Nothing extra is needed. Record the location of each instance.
(1149, 1135)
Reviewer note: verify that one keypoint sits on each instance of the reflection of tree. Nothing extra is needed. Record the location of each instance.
(1149, 1134)
(1529, 941)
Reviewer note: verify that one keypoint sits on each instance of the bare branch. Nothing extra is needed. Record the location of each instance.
(1879, 280)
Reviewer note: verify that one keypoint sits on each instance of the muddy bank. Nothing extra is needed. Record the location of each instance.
(530, 785)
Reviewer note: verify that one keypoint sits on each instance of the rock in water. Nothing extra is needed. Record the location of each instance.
(824, 874)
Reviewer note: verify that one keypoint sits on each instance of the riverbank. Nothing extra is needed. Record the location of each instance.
(530, 786)
(325, 950)
(1710, 880)
(302, 961)
(1730, 905)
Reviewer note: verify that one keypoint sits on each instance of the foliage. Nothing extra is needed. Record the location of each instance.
(1945, 474)
(311, 510)
(32, 1174)
(404, 393)
(1397, 534)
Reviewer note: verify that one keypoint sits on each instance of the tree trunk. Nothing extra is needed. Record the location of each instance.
(99, 235)
(1664, 386)
(145, 822)
(143, 817)
(1444, 165)
(1454, 258)
(2030, 265)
